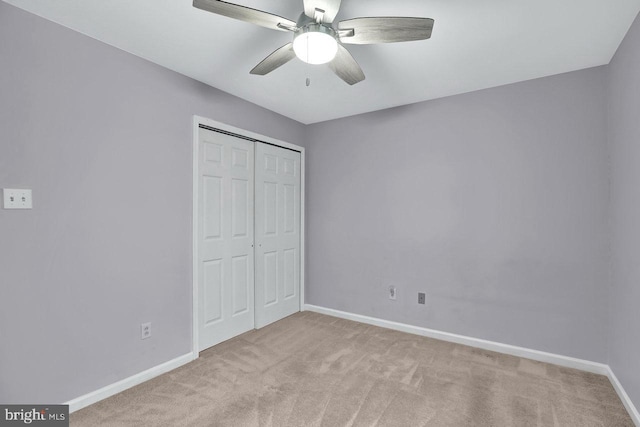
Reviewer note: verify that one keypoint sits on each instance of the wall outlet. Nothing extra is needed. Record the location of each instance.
(422, 298)
(392, 292)
(17, 199)
(145, 331)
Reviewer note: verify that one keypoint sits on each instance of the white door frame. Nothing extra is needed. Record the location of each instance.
(197, 121)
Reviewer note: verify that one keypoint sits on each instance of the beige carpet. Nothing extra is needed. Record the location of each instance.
(315, 370)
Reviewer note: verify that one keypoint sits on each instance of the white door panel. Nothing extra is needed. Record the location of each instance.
(225, 240)
(277, 207)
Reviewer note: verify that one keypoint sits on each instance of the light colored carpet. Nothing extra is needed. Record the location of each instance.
(315, 370)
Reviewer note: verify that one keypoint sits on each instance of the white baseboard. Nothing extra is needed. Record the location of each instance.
(541, 356)
(115, 388)
(626, 401)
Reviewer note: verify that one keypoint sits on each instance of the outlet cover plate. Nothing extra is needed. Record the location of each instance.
(145, 331)
(422, 297)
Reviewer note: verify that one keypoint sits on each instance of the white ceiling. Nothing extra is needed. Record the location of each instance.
(475, 45)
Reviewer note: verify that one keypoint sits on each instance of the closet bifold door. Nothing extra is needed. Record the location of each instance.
(225, 237)
(277, 228)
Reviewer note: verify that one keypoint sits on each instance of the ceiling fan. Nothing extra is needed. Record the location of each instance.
(317, 41)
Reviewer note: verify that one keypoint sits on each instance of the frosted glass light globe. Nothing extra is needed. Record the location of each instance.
(315, 47)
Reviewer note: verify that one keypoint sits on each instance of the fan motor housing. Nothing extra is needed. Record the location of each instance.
(304, 20)
(315, 28)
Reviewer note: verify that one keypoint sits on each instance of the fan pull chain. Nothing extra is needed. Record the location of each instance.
(308, 81)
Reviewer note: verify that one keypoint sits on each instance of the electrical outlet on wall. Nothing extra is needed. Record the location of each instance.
(145, 331)
(422, 298)
(392, 292)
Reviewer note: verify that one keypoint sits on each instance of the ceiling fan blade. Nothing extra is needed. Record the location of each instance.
(385, 30)
(330, 8)
(346, 67)
(279, 57)
(243, 13)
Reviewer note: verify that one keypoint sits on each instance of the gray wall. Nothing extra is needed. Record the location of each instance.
(624, 137)
(104, 140)
(494, 203)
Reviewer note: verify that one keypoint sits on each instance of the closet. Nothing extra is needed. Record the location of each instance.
(247, 233)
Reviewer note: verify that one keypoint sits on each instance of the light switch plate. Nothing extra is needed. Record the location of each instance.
(17, 199)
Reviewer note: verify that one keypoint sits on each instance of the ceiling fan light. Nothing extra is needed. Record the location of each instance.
(315, 47)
